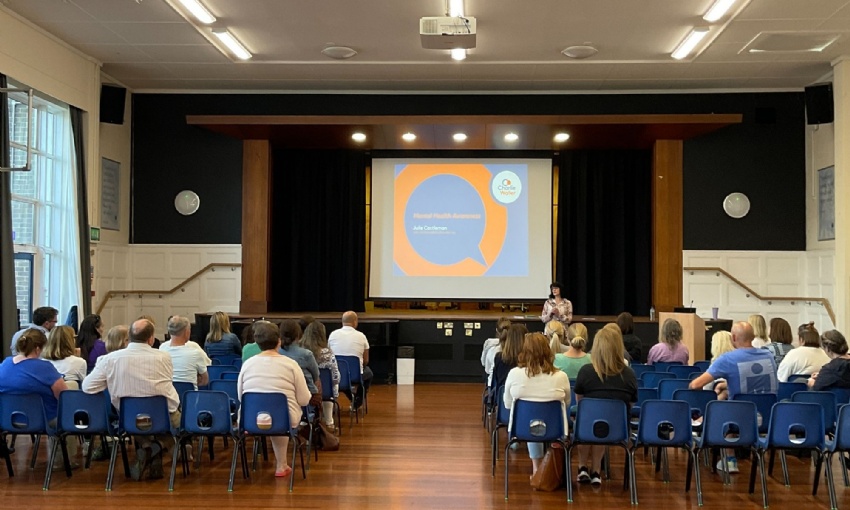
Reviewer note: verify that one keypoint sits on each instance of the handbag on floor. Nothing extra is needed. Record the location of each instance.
(550, 475)
(326, 440)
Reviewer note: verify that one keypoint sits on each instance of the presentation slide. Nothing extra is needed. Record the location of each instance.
(461, 229)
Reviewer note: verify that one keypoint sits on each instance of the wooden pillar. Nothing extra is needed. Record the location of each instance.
(256, 226)
(667, 225)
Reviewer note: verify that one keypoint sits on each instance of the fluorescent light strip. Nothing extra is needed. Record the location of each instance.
(718, 10)
(198, 11)
(458, 54)
(456, 8)
(232, 44)
(689, 43)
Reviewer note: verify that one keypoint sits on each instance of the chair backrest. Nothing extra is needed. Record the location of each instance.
(229, 376)
(641, 368)
(215, 371)
(666, 387)
(572, 393)
(601, 421)
(144, 416)
(662, 366)
(206, 412)
(842, 430)
(827, 401)
(802, 419)
(265, 414)
(22, 414)
(537, 421)
(842, 395)
(83, 413)
(327, 383)
(764, 405)
(503, 414)
(786, 389)
(227, 359)
(182, 387)
(702, 365)
(651, 379)
(696, 399)
(645, 394)
(684, 371)
(353, 363)
(227, 386)
(725, 416)
(665, 423)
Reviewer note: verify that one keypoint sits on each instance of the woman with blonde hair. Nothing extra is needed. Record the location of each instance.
(669, 346)
(60, 351)
(759, 330)
(492, 346)
(117, 338)
(721, 342)
(557, 335)
(607, 376)
(536, 379)
(571, 361)
(220, 341)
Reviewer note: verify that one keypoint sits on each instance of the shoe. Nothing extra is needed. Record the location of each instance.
(595, 479)
(731, 465)
(60, 466)
(142, 463)
(155, 472)
(583, 475)
(283, 474)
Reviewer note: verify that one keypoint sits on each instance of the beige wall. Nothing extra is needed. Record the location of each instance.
(115, 145)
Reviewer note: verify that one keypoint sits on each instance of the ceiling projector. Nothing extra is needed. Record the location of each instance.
(447, 33)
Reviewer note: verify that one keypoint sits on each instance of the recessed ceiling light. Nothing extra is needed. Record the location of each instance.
(408, 137)
(358, 137)
(562, 137)
(511, 137)
(580, 51)
(339, 52)
(458, 54)
(459, 137)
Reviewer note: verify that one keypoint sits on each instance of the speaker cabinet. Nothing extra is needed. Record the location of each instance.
(112, 104)
(819, 106)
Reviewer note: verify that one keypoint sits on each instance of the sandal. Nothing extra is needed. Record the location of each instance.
(283, 474)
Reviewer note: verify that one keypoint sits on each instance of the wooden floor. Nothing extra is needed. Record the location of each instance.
(420, 446)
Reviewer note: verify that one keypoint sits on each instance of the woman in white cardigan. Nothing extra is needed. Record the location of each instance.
(808, 358)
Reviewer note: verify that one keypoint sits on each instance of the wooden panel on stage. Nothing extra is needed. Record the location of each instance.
(256, 226)
(667, 225)
(693, 332)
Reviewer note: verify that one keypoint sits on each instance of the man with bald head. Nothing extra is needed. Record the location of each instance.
(138, 370)
(347, 341)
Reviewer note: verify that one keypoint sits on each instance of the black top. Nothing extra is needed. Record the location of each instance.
(835, 374)
(500, 370)
(633, 347)
(616, 387)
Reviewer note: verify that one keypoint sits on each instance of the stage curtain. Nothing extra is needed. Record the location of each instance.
(318, 230)
(82, 200)
(604, 255)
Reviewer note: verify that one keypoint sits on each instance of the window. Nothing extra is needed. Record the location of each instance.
(44, 212)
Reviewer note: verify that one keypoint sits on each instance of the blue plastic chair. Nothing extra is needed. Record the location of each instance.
(664, 424)
(206, 414)
(503, 416)
(215, 371)
(702, 365)
(723, 417)
(786, 389)
(537, 422)
(613, 417)
(764, 406)
(842, 395)
(684, 371)
(697, 400)
(182, 387)
(803, 378)
(795, 419)
(227, 359)
(328, 393)
(662, 366)
(82, 414)
(24, 414)
(232, 389)
(349, 385)
(651, 379)
(229, 376)
(145, 416)
(827, 400)
(276, 407)
(355, 382)
(644, 394)
(666, 387)
(840, 445)
(641, 368)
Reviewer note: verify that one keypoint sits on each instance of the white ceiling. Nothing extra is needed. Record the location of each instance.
(147, 45)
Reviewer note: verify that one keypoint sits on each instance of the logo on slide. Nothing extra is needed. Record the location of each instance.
(506, 187)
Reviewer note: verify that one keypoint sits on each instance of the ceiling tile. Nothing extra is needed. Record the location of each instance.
(177, 32)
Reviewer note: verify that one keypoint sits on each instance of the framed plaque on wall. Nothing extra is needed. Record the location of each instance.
(826, 203)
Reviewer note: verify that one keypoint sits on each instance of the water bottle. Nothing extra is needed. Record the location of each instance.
(652, 313)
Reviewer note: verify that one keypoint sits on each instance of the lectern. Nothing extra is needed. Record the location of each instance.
(693, 332)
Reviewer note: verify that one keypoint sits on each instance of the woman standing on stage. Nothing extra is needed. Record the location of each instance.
(557, 307)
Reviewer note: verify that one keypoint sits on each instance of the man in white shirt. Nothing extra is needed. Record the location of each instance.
(347, 341)
(43, 319)
(139, 371)
(190, 363)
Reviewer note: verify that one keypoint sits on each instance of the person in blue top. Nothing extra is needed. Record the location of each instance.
(746, 369)
(220, 341)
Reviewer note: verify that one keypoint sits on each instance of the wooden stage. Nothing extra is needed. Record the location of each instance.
(420, 446)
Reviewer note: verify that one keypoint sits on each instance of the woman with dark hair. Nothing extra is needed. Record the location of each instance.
(557, 307)
(806, 359)
(290, 334)
(836, 373)
(89, 340)
(507, 359)
(249, 347)
(669, 346)
(780, 339)
(631, 342)
(536, 379)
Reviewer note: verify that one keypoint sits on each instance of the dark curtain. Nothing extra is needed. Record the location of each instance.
(318, 244)
(8, 299)
(604, 248)
(82, 210)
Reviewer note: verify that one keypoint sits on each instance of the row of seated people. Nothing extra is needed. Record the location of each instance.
(526, 367)
(44, 365)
